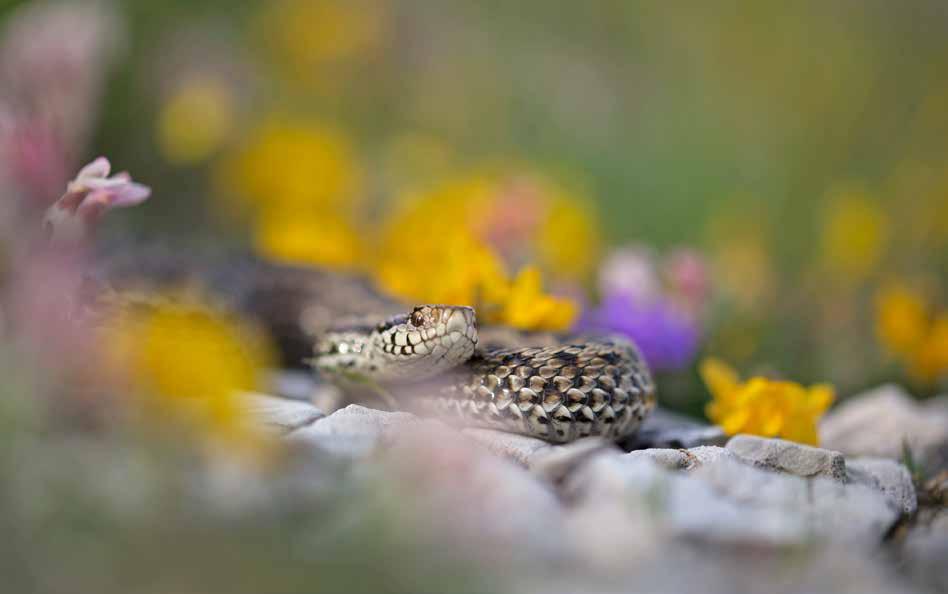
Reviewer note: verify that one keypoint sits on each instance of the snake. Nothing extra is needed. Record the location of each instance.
(431, 359)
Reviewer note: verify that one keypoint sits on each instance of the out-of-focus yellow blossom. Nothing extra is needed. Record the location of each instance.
(193, 364)
(901, 319)
(306, 36)
(930, 360)
(526, 306)
(569, 240)
(195, 121)
(308, 239)
(761, 406)
(294, 167)
(910, 331)
(855, 233)
(427, 252)
(522, 218)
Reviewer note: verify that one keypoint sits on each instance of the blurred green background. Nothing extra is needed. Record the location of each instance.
(801, 147)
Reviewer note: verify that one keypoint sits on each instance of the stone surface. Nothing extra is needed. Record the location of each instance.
(518, 448)
(727, 501)
(664, 429)
(681, 459)
(355, 431)
(787, 456)
(280, 413)
(555, 463)
(925, 553)
(496, 510)
(877, 422)
(889, 477)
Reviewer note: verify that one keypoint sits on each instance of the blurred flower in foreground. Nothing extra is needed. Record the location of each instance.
(192, 362)
(72, 218)
(855, 233)
(913, 332)
(53, 59)
(657, 304)
(195, 120)
(761, 406)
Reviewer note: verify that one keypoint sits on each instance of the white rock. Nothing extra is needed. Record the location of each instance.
(518, 448)
(355, 431)
(555, 463)
(281, 413)
(786, 456)
(889, 477)
(680, 459)
(495, 510)
(876, 424)
(728, 501)
(926, 553)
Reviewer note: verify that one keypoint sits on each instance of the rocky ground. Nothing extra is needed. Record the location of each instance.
(679, 508)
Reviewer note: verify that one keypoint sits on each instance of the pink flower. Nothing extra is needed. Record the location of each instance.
(631, 271)
(686, 275)
(71, 219)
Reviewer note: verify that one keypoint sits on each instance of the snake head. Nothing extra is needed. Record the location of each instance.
(414, 346)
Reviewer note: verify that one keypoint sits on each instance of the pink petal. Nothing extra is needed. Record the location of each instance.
(98, 168)
(130, 194)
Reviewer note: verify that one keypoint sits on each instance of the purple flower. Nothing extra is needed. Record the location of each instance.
(667, 336)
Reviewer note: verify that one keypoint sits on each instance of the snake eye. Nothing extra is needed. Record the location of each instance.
(417, 319)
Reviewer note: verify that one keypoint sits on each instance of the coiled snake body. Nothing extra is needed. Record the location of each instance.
(432, 359)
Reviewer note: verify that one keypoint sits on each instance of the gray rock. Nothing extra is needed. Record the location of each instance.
(555, 463)
(492, 508)
(689, 459)
(664, 429)
(925, 552)
(889, 477)
(355, 431)
(518, 448)
(877, 423)
(786, 456)
(280, 413)
(726, 501)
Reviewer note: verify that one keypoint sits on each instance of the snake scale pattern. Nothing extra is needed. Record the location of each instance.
(433, 359)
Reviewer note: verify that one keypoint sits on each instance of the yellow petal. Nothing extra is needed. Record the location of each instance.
(719, 377)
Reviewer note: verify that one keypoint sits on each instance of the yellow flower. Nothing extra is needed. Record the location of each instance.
(292, 166)
(193, 364)
(528, 308)
(901, 319)
(765, 407)
(569, 239)
(307, 239)
(195, 121)
(929, 362)
(855, 233)
(427, 253)
(907, 328)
